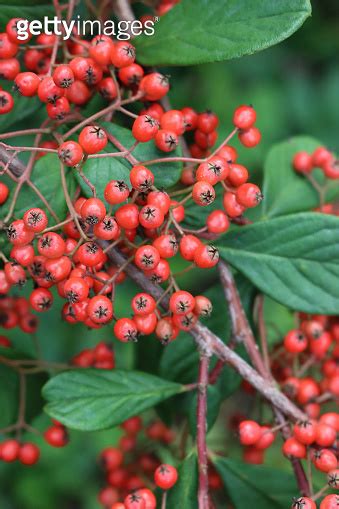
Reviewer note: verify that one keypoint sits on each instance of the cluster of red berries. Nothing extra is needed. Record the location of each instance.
(122, 468)
(329, 502)
(100, 357)
(316, 342)
(14, 311)
(322, 158)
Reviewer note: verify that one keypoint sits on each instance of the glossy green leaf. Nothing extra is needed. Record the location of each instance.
(294, 259)
(184, 493)
(198, 31)
(256, 485)
(90, 399)
(284, 190)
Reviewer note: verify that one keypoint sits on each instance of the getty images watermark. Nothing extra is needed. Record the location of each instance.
(122, 30)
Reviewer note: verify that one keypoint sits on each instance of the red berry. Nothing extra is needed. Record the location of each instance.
(303, 503)
(302, 162)
(248, 195)
(250, 137)
(325, 460)
(70, 153)
(249, 432)
(92, 139)
(56, 436)
(295, 341)
(305, 432)
(122, 54)
(165, 476)
(6, 102)
(27, 83)
(244, 117)
(146, 257)
(207, 122)
(10, 450)
(181, 302)
(206, 257)
(145, 128)
(154, 86)
(294, 449)
(125, 330)
(330, 502)
(100, 309)
(29, 454)
(134, 501)
(166, 141)
(116, 191)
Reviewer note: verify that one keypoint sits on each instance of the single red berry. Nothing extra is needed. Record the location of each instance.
(76, 289)
(70, 153)
(63, 76)
(302, 162)
(10, 450)
(292, 448)
(324, 460)
(107, 89)
(78, 93)
(125, 330)
(266, 439)
(231, 205)
(154, 86)
(27, 83)
(29, 454)
(325, 435)
(4, 191)
(141, 178)
(244, 117)
(181, 302)
(330, 502)
(147, 257)
(90, 254)
(122, 54)
(207, 122)
(149, 498)
(8, 49)
(127, 216)
(166, 141)
(145, 128)
(206, 257)
(217, 222)
(145, 324)
(134, 501)
(100, 309)
(305, 432)
(214, 170)
(250, 137)
(295, 341)
(116, 191)
(143, 304)
(6, 102)
(203, 306)
(249, 432)
(56, 436)
(12, 30)
(173, 120)
(92, 139)
(321, 157)
(107, 229)
(190, 118)
(248, 195)
(165, 476)
(203, 193)
(167, 245)
(35, 220)
(238, 174)
(303, 503)
(151, 216)
(131, 75)
(188, 246)
(41, 299)
(93, 211)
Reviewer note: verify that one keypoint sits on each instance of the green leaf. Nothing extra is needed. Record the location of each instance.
(198, 31)
(101, 170)
(294, 259)
(90, 399)
(46, 177)
(284, 190)
(256, 486)
(184, 493)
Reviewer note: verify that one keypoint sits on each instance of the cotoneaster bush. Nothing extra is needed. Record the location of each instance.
(117, 197)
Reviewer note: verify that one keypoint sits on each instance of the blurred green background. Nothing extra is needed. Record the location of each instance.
(295, 90)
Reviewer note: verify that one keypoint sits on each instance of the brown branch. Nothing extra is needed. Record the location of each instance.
(16, 167)
(203, 497)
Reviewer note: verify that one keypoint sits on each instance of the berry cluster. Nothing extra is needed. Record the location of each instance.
(322, 158)
(100, 357)
(329, 502)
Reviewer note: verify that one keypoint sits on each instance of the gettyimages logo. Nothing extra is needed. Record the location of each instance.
(122, 30)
